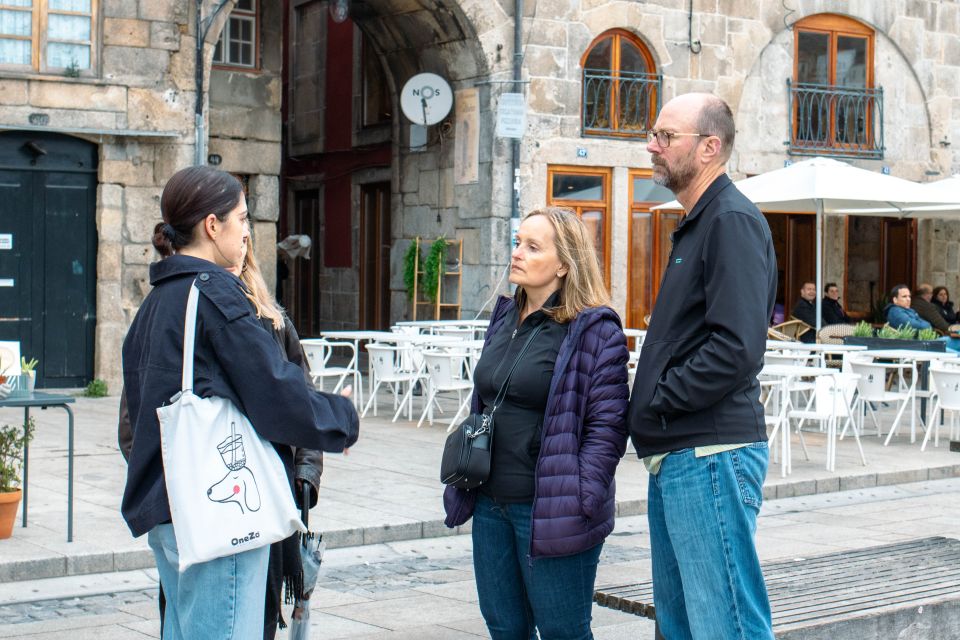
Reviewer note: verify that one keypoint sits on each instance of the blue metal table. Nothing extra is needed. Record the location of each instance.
(44, 400)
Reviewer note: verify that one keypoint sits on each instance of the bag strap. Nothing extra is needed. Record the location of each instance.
(189, 337)
(502, 394)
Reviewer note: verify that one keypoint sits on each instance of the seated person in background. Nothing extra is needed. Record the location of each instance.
(805, 309)
(941, 298)
(921, 303)
(899, 314)
(833, 312)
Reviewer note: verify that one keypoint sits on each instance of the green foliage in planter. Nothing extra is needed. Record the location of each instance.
(96, 389)
(927, 334)
(863, 330)
(886, 331)
(12, 441)
(28, 365)
(433, 267)
(410, 264)
(906, 332)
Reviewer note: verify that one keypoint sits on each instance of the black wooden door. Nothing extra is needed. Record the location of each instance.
(48, 244)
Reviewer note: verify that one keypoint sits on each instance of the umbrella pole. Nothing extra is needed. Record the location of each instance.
(819, 317)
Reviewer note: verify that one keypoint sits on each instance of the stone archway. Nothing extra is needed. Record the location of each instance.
(332, 168)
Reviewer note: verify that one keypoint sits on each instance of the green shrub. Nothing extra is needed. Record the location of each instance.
(906, 332)
(863, 330)
(888, 332)
(96, 389)
(12, 441)
(927, 334)
(410, 267)
(433, 266)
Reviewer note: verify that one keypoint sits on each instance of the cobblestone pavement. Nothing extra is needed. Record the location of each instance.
(364, 579)
(424, 589)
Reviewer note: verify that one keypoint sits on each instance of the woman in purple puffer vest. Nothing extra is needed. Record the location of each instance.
(540, 520)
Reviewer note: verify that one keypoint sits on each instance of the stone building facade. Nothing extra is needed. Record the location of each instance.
(133, 102)
(312, 122)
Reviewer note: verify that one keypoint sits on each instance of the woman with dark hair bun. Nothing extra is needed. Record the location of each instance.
(203, 234)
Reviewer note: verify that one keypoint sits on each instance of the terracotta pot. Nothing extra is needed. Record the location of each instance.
(9, 502)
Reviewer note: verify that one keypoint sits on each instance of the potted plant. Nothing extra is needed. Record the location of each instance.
(28, 369)
(12, 441)
(889, 338)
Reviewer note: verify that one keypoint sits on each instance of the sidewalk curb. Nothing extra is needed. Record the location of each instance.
(79, 564)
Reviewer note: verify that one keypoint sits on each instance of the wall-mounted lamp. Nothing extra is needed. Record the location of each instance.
(339, 10)
(214, 159)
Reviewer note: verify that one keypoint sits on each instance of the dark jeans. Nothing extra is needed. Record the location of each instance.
(518, 597)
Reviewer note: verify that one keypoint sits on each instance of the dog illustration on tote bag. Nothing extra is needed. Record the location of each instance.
(239, 485)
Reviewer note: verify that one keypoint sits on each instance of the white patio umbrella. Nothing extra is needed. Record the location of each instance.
(829, 186)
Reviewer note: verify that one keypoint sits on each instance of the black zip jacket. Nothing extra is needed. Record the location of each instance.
(696, 381)
(235, 358)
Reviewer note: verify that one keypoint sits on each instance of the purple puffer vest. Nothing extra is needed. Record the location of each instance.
(584, 437)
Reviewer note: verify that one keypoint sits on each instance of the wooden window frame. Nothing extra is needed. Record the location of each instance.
(653, 108)
(255, 16)
(579, 205)
(833, 26)
(658, 253)
(39, 12)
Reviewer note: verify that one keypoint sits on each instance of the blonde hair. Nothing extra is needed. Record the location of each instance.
(263, 301)
(582, 286)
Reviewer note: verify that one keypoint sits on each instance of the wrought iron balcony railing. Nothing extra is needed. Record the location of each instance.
(624, 104)
(835, 121)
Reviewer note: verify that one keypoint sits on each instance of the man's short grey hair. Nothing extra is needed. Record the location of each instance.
(716, 119)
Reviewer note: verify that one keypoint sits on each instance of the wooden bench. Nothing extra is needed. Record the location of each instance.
(867, 594)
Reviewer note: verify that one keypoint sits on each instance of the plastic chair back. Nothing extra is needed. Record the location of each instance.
(317, 353)
(440, 368)
(832, 394)
(382, 358)
(947, 383)
(872, 384)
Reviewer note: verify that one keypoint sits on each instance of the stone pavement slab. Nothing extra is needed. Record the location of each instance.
(419, 589)
(386, 489)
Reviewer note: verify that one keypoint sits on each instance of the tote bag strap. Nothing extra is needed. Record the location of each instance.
(189, 337)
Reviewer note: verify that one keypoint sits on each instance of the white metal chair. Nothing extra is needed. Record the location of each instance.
(833, 399)
(872, 387)
(386, 362)
(442, 376)
(946, 384)
(318, 353)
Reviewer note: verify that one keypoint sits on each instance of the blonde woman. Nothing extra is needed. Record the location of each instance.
(285, 565)
(540, 520)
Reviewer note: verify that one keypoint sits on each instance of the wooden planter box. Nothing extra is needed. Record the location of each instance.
(875, 344)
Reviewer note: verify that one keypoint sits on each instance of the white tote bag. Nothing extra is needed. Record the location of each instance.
(227, 487)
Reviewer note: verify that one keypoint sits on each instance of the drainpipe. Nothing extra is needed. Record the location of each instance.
(202, 29)
(515, 143)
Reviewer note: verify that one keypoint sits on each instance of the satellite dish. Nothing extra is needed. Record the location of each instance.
(426, 99)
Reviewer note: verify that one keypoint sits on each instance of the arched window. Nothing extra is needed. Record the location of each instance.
(621, 87)
(834, 104)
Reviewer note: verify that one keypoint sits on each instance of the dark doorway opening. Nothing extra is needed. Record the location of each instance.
(48, 192)
(375, 256)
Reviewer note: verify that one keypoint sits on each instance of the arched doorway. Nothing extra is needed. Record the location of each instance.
(48, 250)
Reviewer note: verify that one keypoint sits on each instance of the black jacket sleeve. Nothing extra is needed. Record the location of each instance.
(273, 392)
(737, 297)
(803, 310)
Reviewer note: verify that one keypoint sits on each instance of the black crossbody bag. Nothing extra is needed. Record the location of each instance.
(468, 449)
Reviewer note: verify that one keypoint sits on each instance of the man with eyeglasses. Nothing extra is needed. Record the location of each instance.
(695, 416)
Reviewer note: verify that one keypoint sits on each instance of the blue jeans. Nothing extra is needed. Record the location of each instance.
(707, 582)
(222, 599)
(518, 597)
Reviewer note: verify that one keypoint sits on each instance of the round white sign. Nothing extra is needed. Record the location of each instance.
(426, 99)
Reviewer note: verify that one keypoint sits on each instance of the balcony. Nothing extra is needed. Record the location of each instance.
(619, 105)
(841, 122)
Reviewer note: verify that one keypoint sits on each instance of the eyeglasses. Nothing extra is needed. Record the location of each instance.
(664, 137)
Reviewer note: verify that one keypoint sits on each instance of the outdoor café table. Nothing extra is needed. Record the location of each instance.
(786, 374)
(431, 325)
(822, 350)
(44, 400)
(921, 359)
